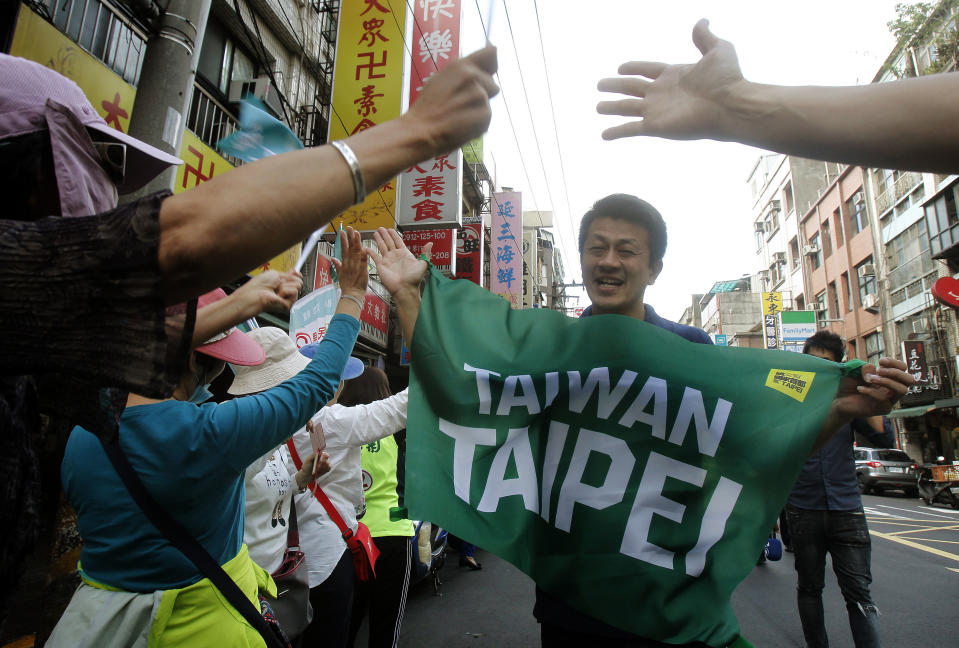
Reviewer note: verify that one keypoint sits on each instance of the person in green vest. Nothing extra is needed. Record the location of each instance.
(385, 595)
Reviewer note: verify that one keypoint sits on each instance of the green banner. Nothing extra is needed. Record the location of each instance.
(629, 472)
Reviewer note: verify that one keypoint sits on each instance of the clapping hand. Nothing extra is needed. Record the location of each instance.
(352, 270)
(398, 269)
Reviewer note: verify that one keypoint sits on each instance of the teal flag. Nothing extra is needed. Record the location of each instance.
(629, 472)
(260, 135)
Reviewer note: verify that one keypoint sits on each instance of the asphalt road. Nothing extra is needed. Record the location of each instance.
(915, 584)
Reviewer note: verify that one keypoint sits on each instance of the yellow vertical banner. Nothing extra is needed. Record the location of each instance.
(772, 306)
(368, 90)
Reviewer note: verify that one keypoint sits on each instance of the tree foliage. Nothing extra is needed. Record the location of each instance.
(935, 24)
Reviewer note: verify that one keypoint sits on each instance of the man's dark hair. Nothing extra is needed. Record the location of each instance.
(632, 209)
(828, 342)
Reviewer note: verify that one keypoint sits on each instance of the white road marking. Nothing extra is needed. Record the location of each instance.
(920, 511)
(871, 511)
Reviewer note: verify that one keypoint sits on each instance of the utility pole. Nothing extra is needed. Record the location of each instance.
(166, 82)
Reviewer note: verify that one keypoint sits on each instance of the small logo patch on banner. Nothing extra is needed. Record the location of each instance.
(792, 383)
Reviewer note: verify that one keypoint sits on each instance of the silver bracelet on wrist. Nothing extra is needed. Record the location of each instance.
(359, 187)
(356, 301)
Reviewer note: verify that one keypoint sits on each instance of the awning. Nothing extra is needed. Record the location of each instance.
(905, 412)
(923, 409)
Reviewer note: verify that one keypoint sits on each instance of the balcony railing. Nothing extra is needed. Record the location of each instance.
(903, 185)
(211, 121)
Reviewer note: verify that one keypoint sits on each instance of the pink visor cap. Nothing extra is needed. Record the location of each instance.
(26, 88)
(233, 346)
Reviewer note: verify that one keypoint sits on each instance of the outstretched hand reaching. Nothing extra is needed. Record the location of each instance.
(675, 101)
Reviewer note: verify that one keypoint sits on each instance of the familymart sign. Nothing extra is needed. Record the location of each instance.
(631, 473)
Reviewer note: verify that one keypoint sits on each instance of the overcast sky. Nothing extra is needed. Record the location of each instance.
(700, 187)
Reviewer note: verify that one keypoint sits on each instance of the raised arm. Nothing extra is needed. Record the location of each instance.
(224, 227)
(907, 124)
(247, 427)
(267, 291)
(401, 274)
(355, 426)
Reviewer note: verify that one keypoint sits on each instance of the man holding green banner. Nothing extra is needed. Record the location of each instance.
(633, 474)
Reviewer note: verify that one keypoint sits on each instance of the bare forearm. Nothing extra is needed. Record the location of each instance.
(407, 303)
(909, 124)
(219, 316)
(225, 227)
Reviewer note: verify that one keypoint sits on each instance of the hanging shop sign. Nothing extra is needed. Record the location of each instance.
(430, 192)
(367, 90)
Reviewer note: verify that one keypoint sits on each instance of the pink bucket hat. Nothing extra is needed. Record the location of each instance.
(34, 97)
(233, 346)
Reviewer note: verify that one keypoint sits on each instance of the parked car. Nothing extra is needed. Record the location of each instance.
(880, 468)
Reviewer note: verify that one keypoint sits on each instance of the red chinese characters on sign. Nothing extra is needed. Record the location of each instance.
(442, 240)
(469, 253)
(114, 112)
(324, 272)
(429, 193)
(196, 171)
(375, 318)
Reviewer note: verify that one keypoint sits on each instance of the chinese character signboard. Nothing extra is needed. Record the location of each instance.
(442, 254)
(914, 353)
(772, 306)
(473, 151)
(429, 195)
(310, 315)
(323, 275)
(529, 268)
(469, 253)
(367, 90)
(374, 320)
(506, 241)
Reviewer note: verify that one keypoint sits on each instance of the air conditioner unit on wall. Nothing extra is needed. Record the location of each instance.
(866, 270)
(920, 325)
(779, 257)
(260, 87)
(759, 226)
(809, 250)
(775, 206)
(871, 303)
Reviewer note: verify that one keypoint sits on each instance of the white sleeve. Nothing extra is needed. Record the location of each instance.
(355, 426)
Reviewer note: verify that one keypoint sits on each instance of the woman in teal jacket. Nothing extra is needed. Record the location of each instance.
(136, 585)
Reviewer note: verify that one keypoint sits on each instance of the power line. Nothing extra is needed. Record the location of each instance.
(529, 109)
(509, 116)
(549, 95)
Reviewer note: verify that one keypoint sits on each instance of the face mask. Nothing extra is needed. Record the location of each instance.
(201, 394)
